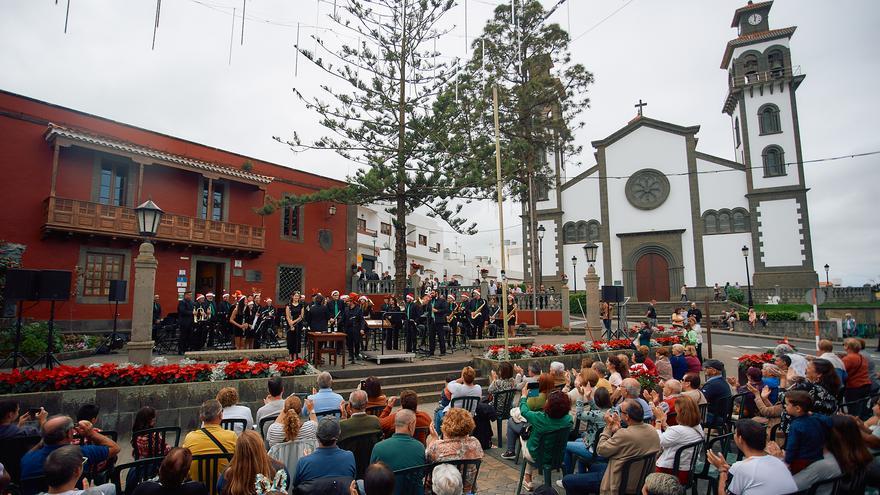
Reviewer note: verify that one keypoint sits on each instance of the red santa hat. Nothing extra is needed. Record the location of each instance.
(199, 296)
(409, 297)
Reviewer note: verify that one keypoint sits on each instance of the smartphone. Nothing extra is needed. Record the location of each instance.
(33, 411)
(363, 383)
(532, 385)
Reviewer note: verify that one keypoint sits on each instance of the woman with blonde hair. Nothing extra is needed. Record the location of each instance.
(250, 459)
(693, 362)
(289, 426)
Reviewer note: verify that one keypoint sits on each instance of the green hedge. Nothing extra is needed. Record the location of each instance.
(33, 339)
(573, 298)
(783, 315)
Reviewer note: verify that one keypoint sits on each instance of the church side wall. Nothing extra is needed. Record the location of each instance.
(580, 201)
(650, 148)
(726, 189)
(724, 259)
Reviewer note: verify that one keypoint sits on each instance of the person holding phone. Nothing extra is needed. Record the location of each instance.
(14, 425)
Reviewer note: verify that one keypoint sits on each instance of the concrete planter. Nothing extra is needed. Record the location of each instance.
(176, 404)
(480, 346)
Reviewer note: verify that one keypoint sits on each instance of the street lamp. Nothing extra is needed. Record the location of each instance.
(541, 231)
(140, 348)
(590, 251)
(574, 273)
(745, 251)
(827, 282)
(332, 210)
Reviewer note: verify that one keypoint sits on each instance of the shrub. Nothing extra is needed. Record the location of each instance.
(33, 339)
(735, 295)
(783, 316)
(573, 307)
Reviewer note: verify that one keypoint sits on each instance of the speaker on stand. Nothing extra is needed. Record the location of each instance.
(614, 294)
(21, 285)
(52, 286)
(118, 291)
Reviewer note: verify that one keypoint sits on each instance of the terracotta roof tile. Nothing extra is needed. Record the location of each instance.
(752, 37)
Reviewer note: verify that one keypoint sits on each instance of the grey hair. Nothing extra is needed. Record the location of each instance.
(674, 385)
(783, 349)
(631, 387)
(600, 367)
(557, 367)
(446, 480)
(358, 400)
(403, 418)
(535, 367)
(57, 433)
(325, 380)
(210, 410)
(662, 484)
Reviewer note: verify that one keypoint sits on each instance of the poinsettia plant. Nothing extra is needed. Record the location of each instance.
(647, 379)
(125, 375)
(747, 361)
(664, 341)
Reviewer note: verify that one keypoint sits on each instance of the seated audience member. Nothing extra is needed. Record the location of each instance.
(798, 366)
(753, 380)
(690, 386)
(5, 478)
(617, 370)
(716, 391)
(273, 403)
(325, 399)
(57, 432)
(672, 438)
(378, 480)
(446, 480)
(678, 362)
(444, 395)
(630, 388)
(173, 474)
(826, 351)
(228, 398)
(591, 413)
(847, 444)
(63, 469)
(457, 442)
(663, 365)
(645, 351)
(373, 388)
(532, 377)
(211, 438)
(289, 425)
(516, 424)
(503, 379)
(662, 484)
(250, 459)
(552, 417)
(617, 445)
(150, 445)
(602, 370)
(401, 451)
(557, 371)
(858, 378)
(359, 423)
(328, 465)
(463, 386)
(409, 400)
(693, 362)
(806, 433)
(758, 472)
(13, 425)
(89, 413)
(770, 376)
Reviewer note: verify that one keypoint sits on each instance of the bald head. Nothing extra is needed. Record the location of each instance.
(358, 400)
(405, 422)
(56, 430)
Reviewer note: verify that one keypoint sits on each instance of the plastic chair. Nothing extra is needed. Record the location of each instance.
(469, 469)
(264, 429)
(831, 484)
(548, 458)
(647, 468)
(32, 486)
(156, 438)
(137, 472)
(696, 447)
(332, 412)
(422, 433)
(362, 447)
(375, 410)
(411, 480)
(231, 424)
(208, 469)
(12, 452)
(721, 445)
(469, 403)
(503, 403)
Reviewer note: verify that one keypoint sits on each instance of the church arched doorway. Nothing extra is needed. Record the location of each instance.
(652, 278)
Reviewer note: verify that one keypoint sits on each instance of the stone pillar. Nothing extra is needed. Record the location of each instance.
(566, 306)
(140, 349)
(594, 324)
(484, 289)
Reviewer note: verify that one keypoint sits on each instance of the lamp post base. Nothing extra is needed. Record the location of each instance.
(140, 349)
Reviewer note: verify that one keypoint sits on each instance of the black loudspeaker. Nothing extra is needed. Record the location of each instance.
(612, 293)
(118, 290)
(21, 285)
(54, 285)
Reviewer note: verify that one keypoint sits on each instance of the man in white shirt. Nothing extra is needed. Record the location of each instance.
(826, 351)
(758, 473)
(273, 403)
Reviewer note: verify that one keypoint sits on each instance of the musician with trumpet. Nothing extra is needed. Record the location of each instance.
(185, 308)
(477, 313)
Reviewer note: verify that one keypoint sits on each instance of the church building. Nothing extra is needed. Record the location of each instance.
(665, 214)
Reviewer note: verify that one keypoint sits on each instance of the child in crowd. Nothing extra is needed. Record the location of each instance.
(807, 432)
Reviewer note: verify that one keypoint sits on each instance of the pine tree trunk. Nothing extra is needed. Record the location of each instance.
(400, 271)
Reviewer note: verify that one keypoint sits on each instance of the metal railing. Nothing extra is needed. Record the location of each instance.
(763, 77)
(542, 301)
(366, 231)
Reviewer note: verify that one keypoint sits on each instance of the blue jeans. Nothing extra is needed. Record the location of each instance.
(438, 419)
(587, 482)
(513, 430)
(577, 447)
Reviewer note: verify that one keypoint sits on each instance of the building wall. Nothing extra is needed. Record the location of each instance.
(724, 189)
(26, 164)
(779, 221)
(724, 259)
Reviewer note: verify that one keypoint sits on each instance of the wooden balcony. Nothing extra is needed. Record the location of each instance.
(366, 231)
(84, 217)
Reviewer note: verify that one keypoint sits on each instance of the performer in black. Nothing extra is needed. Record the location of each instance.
(336, 309)
(223, 328)
(439, 309)
(318, 314)
(210, 324)
(493, 313)
(511, 315)
(185, 322)
(412, 311)
(157, 314)
(477, 313)
(353, 323)
(238, 320)
(295, 314)
(251, 317)
(466, 330)
(200, 324)
(264, 328)
(392, 309)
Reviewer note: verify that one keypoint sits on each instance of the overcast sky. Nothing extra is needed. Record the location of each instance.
(666, 53)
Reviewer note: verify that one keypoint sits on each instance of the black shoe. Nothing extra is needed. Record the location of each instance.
(508, 455)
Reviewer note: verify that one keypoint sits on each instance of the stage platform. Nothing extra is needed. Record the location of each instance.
(388, 355)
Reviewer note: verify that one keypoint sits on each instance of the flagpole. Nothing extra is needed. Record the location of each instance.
(500, 219)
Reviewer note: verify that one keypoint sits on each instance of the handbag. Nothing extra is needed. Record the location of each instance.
(526, 432)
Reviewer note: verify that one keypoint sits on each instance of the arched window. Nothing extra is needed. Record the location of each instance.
(710, 225)
(582, 231)
(723, 223)
(741, 220)
(593, 231)
(774, 161)
(569, 232)
(736, 135)
(768, 119)
(750, 67)
(776, 62)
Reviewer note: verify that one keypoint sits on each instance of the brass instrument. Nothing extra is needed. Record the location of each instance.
(493, 315)
(477, 311)
(452, 314)
(199, 315)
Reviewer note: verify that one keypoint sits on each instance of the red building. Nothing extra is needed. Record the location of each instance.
(70, 181)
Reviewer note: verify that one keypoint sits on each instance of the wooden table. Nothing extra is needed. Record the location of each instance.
(315, 339)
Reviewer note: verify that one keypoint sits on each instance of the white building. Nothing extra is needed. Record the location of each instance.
(664, 214)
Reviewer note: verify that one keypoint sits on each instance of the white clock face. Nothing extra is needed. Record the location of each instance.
(755, 19)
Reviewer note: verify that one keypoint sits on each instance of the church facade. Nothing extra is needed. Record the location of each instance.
(665, 214)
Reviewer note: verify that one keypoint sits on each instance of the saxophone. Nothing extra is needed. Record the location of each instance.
(199, 315)
(477, 311)
(452, 314)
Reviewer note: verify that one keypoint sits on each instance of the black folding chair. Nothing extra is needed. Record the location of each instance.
(503, 403)
(645, 465)
(157, 438)
(694, 448)
(33, 486)
(831, 486)
(136, 472)
(332, 412)
(362, 447)
(230, 424)
(548, 458)
(208, 469)
(375, 410)
(469, 469)
(422, 433)
(722, 446)
(411, 480)
(264, 430)
(468, 403)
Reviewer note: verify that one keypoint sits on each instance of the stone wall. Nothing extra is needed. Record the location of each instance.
(800, 329)
(176, 404)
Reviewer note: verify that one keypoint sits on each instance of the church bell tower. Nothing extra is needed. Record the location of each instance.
(761, 102)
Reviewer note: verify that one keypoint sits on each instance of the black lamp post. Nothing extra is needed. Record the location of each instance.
(541, 231)
(148, 216)
(745, 251)
(590, 250)
(574, 273)
(827, 282)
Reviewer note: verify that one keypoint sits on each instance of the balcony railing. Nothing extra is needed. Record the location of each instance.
(366, 231)
(73, 215)
(766, 76)
(434, 249)
(411, 243)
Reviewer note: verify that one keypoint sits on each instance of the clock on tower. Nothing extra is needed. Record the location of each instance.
(752, 18)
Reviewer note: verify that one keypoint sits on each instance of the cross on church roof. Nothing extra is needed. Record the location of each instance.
(639, 105)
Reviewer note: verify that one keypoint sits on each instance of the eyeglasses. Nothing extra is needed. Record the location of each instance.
(85, 460)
